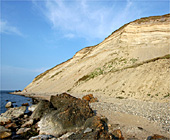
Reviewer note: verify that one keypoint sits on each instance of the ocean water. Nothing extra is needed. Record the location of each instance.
(17, 100)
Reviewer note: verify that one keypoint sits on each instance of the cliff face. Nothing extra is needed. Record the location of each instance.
(132, 62)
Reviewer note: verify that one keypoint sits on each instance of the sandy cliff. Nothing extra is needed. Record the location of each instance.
(133, 62)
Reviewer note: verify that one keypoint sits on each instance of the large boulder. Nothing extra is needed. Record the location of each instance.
(94, 128)
(12, 113)
(70, 115)
(42, 108)
(62, 101)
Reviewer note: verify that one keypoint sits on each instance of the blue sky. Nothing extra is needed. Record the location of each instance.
(39, 34)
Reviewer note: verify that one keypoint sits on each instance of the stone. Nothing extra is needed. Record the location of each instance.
(25, 104)
(42, 108)
(88, 130)
(117, 134)
(62, 100)
(94, 128)
(22, 130)
(68, 116)
(42, 137)
(9, 104)
(65, 136)
(11, 125)
(32, 108)
(4, 133)
(157, 137)
(28, 123)
(90, 98)
(96, 122)
(25, 116)
(12, 113)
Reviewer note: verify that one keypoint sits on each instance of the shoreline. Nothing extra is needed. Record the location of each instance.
(152, 117)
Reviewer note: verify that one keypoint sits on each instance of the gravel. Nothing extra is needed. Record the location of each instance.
(153, 111)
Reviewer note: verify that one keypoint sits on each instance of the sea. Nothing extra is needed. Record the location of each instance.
(17, 100)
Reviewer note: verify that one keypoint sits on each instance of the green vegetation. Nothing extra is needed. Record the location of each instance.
(120, 97)
(168, 95)
(149, 94)
(133, 60)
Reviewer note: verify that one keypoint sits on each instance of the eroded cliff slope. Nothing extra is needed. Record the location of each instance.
(133, 62)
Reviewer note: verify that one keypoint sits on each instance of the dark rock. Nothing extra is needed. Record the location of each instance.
(4, 133)
(62, 101)
(117, 134)
(70, 115)
(96, 122)
(157, 137)
(42, 108)
(25, 104)
(90, 98)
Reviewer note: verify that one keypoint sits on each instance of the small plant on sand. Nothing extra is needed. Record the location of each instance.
(133, 60)
(120, 97)
(149, 94)
(168, 95)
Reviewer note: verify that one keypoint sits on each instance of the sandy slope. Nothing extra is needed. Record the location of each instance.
(129, 63)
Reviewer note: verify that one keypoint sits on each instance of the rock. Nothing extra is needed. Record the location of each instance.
(157, 137)
(88, 130)
(94, 128)
(22, 130)
(32, 108)
(9, 104)
(117, 134)
(28, 123)
(96, 122)
(68, 117)
(25, 116)
(42, 108)
(90, 98)
(42, 137)
(65, 136)
(60, 101)
(4, 133)
(25, 104)
(11, 125)
(11, 113)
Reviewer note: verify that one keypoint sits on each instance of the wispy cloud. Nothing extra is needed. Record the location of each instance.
(6, 28)
(87, 19)
(14, 69)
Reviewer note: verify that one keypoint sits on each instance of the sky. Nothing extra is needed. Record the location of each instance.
(36, 35)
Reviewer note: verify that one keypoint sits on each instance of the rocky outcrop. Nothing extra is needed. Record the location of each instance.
(12, 113)
(129, 62)
(70, 114)
(42, 108)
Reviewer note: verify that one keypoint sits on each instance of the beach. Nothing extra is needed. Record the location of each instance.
(135, 118)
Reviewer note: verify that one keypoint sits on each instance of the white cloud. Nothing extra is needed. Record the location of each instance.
(6, 28)
(87, 19)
